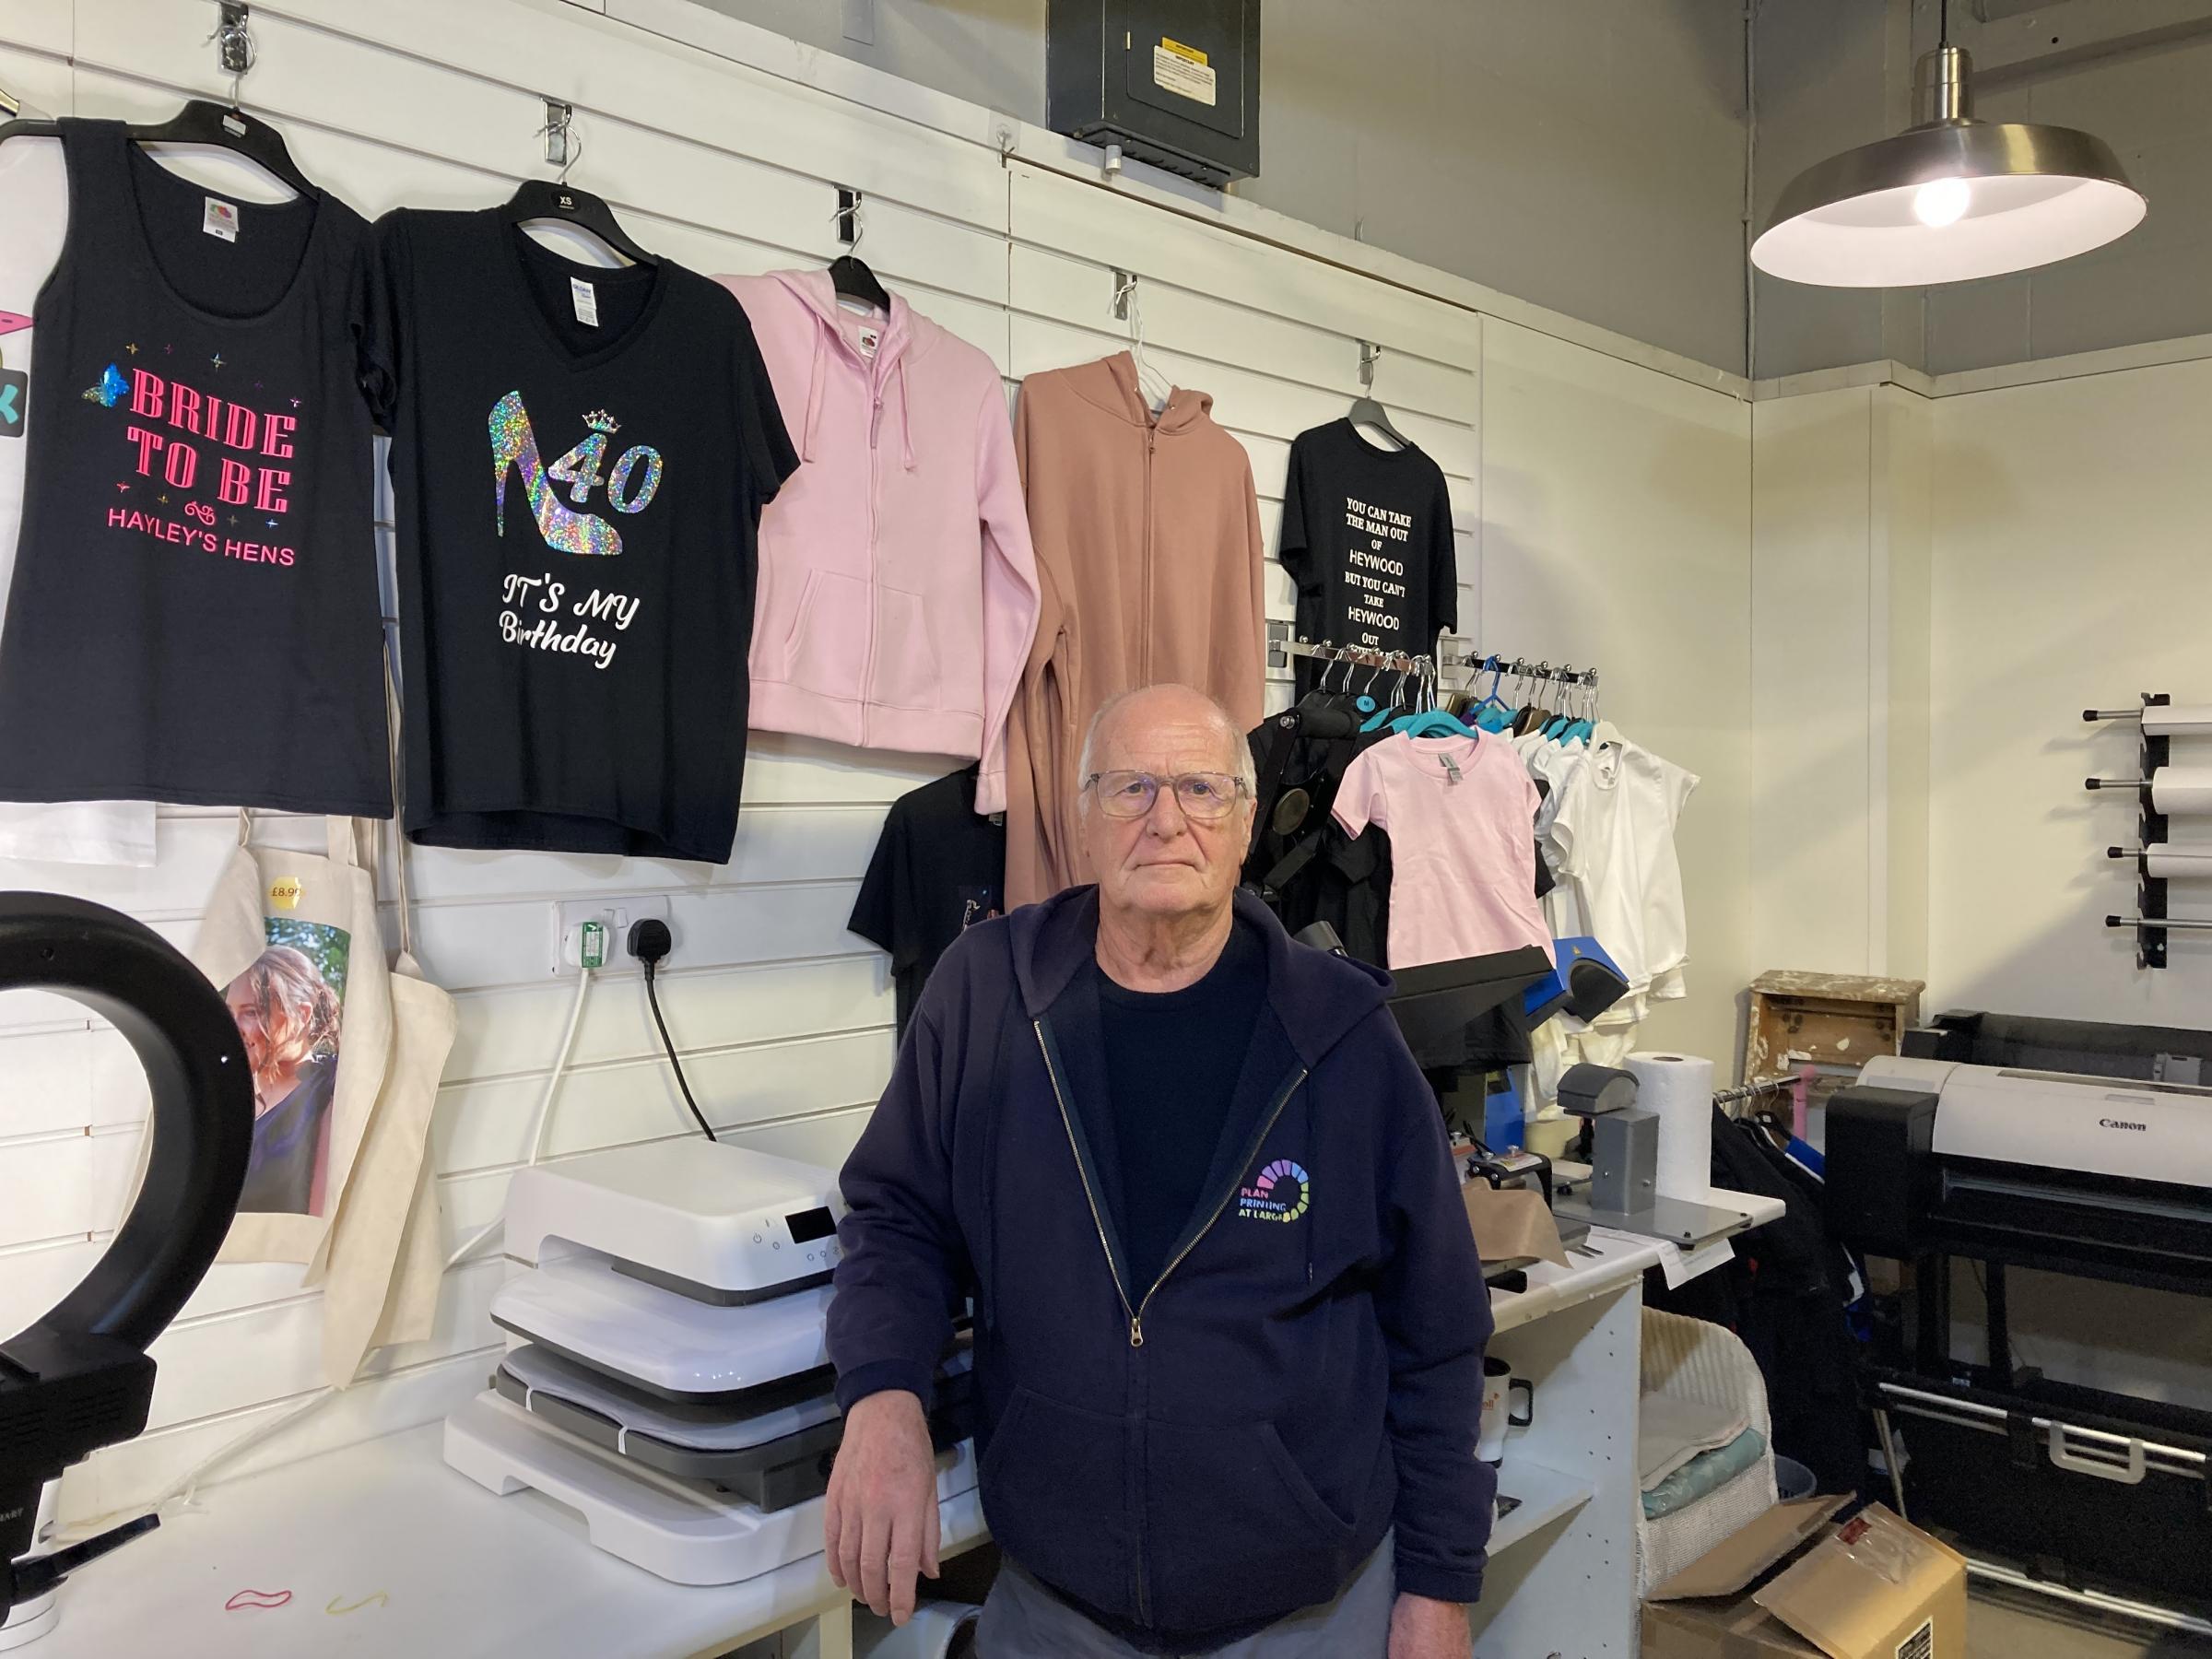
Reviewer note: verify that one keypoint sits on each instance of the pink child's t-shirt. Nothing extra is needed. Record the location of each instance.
(1462, 853)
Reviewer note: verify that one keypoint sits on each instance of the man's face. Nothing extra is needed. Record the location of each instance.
(1165, 863)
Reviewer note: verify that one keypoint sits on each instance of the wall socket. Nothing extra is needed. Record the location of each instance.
(614, 914)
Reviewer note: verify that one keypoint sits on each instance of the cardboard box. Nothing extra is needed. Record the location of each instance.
(1872, 1588)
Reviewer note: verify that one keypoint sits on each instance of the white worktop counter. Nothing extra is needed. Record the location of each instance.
(464, 1574)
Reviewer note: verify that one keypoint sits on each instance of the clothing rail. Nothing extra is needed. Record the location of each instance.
(1326, 652)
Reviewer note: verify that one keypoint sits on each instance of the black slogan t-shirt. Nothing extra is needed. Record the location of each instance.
(1367, 538)
(195, 615)
(579, 459)
(938, 871)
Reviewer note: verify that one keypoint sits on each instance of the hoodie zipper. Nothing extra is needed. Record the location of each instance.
(1144, 611)
(1136, 1314)
(867, 671)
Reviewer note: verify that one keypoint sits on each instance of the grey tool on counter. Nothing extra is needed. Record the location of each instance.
(1623, 1189)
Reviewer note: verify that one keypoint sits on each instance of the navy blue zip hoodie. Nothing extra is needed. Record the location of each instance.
(1188, 1460)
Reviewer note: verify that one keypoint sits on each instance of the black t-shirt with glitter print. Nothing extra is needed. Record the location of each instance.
(194, 615)
(579, 460)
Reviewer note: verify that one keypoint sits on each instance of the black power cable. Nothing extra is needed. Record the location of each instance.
(648, 942)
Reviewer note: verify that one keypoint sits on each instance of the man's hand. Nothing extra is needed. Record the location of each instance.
(881, 1527)
(1421, 1628)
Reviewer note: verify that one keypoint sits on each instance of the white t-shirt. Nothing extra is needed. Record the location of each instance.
(1615, 831)
(1462, 863)
(34, 208)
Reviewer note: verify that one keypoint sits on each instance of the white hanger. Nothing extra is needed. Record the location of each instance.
(1151, 385)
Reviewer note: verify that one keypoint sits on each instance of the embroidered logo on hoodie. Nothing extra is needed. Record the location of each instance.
(1270, 1197)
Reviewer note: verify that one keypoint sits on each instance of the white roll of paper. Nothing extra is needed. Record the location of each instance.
(2182, 789)
(2166, 861)
(2178, 720)
(1680, 1088)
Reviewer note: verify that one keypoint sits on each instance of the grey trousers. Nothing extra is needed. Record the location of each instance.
(1022, 1620)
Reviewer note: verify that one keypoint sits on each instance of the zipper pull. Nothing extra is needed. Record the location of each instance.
(875, 423)
(1137, 1330)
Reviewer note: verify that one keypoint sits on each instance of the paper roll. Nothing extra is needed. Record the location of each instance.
(2165, 860)
(2182, 789)
(2178, 720)
(1680, 1088)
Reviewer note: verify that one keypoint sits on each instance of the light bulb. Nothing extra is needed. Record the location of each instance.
(1942, 202)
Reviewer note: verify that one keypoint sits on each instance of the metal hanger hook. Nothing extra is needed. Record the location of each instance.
(851, 222)
(233, 43)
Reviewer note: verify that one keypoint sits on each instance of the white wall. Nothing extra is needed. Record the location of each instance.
(1620, 537)
(1617, 532)
(1840, 660)
(2071, 571)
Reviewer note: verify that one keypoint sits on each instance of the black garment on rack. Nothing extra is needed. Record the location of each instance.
(1784, 1295)
(1367, 538)
(194, 615)
(938, 870)
(1309, 870)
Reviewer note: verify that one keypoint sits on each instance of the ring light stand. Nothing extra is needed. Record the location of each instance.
(80, 1379)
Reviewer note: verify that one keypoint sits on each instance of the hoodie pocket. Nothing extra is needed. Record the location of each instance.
(905, 675)
(1236, 1530)
(1055, 1483)
(825, 647)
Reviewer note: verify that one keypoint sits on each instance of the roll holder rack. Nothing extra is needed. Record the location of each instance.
(2151, 921)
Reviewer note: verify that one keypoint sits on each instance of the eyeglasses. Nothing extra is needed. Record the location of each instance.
(1205, 797)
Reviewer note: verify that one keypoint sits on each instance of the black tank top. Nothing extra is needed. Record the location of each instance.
(195, 615)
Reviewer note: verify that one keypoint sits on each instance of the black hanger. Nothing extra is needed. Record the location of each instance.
(1366, 411)
(544, 199)
(203, 121)
(850, 276)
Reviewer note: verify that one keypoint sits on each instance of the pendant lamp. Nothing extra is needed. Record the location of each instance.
(1949, 199)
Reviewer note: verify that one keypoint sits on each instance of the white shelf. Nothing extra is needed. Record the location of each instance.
(1545, 1495)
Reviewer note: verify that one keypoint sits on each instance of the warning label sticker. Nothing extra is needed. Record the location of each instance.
(1183, 70)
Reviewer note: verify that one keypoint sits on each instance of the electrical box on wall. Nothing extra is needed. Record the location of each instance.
(1173, 82)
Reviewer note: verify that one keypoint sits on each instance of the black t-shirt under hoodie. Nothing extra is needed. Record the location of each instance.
(579, 456)
(194, 615)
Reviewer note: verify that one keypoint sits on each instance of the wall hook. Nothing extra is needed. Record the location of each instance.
(1368, 354)
(233, 39)
(562, 144)
(1124, 285)
(849, 228)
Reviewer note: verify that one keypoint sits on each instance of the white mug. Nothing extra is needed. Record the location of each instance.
(1498, 1386)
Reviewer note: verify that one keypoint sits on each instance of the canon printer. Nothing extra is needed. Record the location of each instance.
(2058, 1147)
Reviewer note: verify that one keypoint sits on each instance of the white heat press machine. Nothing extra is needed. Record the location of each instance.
(668, 1377)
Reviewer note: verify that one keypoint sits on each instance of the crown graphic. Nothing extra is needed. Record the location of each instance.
(599, 420)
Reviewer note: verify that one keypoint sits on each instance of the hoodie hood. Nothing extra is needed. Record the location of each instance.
(1110, 383)
(816, 292)
(1320, 997)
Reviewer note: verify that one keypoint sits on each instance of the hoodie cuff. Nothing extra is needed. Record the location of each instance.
(991, 791)
(1437, 1583)
(881, 1376)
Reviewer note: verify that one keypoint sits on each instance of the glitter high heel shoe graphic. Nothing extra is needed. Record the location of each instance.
(513, 444)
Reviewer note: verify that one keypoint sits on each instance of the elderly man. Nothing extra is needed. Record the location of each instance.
(1229, 1317)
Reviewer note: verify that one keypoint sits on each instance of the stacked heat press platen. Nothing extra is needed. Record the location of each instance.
(669, 1380)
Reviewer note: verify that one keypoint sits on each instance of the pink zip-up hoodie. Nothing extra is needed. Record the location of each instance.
(898, 591)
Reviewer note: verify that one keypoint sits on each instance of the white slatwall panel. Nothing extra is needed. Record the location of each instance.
(783, 1017)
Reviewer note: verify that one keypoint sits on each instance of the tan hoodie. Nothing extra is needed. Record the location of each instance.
(1147, 538)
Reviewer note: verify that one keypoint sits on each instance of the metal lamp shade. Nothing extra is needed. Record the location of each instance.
(2032, 194)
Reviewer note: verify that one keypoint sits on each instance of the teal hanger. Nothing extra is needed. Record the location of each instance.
(1383, 714)
(1431, 721)
(1490, 706)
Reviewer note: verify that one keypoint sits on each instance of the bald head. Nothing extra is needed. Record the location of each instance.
(1166, 705)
